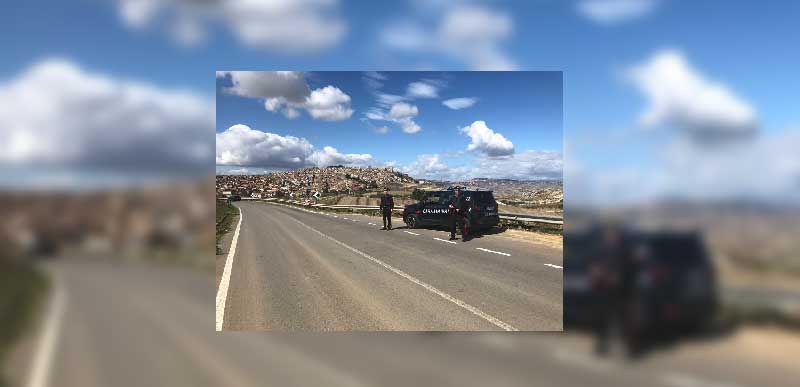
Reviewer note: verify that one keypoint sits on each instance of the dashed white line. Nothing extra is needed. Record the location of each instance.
(681, 380)
(555, 266)
(409, 232)
(491, 319)
(492, 251)
(222, 291)
(438, 239)
(42, 363)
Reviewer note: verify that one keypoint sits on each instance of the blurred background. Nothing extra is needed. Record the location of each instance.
(681, 180)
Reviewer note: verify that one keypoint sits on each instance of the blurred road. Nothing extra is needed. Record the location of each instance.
(133, 324)
(300, 269)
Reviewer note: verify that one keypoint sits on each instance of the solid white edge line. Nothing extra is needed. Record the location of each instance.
(556, 266)
(409, 232)
(439, 239)
(222, 291)
(41, 366)
(492, 251)
(491, 319)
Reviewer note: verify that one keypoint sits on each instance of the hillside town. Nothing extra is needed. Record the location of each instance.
(308, 181)
(47, 223)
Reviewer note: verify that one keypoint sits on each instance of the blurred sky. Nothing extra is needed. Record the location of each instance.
(661, 98)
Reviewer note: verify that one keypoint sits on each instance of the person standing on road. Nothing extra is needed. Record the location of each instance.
(457, 206)
(387, 204)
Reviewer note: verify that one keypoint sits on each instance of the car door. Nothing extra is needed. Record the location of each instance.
(431, 208)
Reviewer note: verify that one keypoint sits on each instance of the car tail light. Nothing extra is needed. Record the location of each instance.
(419, 212)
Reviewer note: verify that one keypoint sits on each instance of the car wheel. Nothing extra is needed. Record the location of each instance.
(411, 221)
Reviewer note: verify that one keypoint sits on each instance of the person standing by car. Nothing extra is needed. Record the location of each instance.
(457, 211)
(387, 204)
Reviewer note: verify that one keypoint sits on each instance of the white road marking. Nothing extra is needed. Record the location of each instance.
(335, 216)
(681, 380)
(372, 224)
(491, 319)
(443, 240)
(409, 232)
(555, 266)
(45, 350)
(492, 251)
(222, 291)
(345, 218)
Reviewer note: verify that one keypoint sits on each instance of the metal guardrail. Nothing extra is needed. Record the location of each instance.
(503, 215)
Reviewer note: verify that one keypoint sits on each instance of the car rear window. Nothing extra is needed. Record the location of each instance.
(677, 249)
(482, 197)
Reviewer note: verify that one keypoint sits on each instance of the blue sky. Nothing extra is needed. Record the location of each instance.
(741, 51)
(522, 107)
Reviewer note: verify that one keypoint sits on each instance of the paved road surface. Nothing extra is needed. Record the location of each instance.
(127, 324)
(297, 269)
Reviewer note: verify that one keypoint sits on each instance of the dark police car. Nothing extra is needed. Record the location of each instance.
(670, 277)
(432, 210)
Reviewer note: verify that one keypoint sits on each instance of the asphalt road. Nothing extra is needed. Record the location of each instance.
(297, 269)
(137, 324)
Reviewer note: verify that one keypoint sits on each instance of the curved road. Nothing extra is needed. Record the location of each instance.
(299, 269)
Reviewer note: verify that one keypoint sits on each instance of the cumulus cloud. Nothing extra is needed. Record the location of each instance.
(524, 165)
(288, 86)
(287, 92)
(422, 90)
(459, 103)
(615, 11)
(330, 156)
(403, 110)
(678, 95)
(403, 114)
(470, 33)
(428, 166)
(241, 145)
(329, 104)
(58, 115)
(281, 25)
(487, 141)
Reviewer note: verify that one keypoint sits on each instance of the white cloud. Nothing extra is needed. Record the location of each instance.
(281, 25)
(427, 166)
(403, 110)
(459, 103)
(680, 96)
(409, 126)
(381, 129)
(403, 114)
(763, 168)
(58, 115)
(524, 165)
(422, 90)
(487, 141)
(470, 33)
(329, 104)
(240, 145)
(288, 91)
(330, 156)
(615, 11)
(282, 85)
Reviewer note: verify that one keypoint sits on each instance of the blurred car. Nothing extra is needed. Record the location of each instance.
(673, 285)
(432, 209)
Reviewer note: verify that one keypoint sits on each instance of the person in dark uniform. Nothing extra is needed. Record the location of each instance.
(457, 212)
(387, 204)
